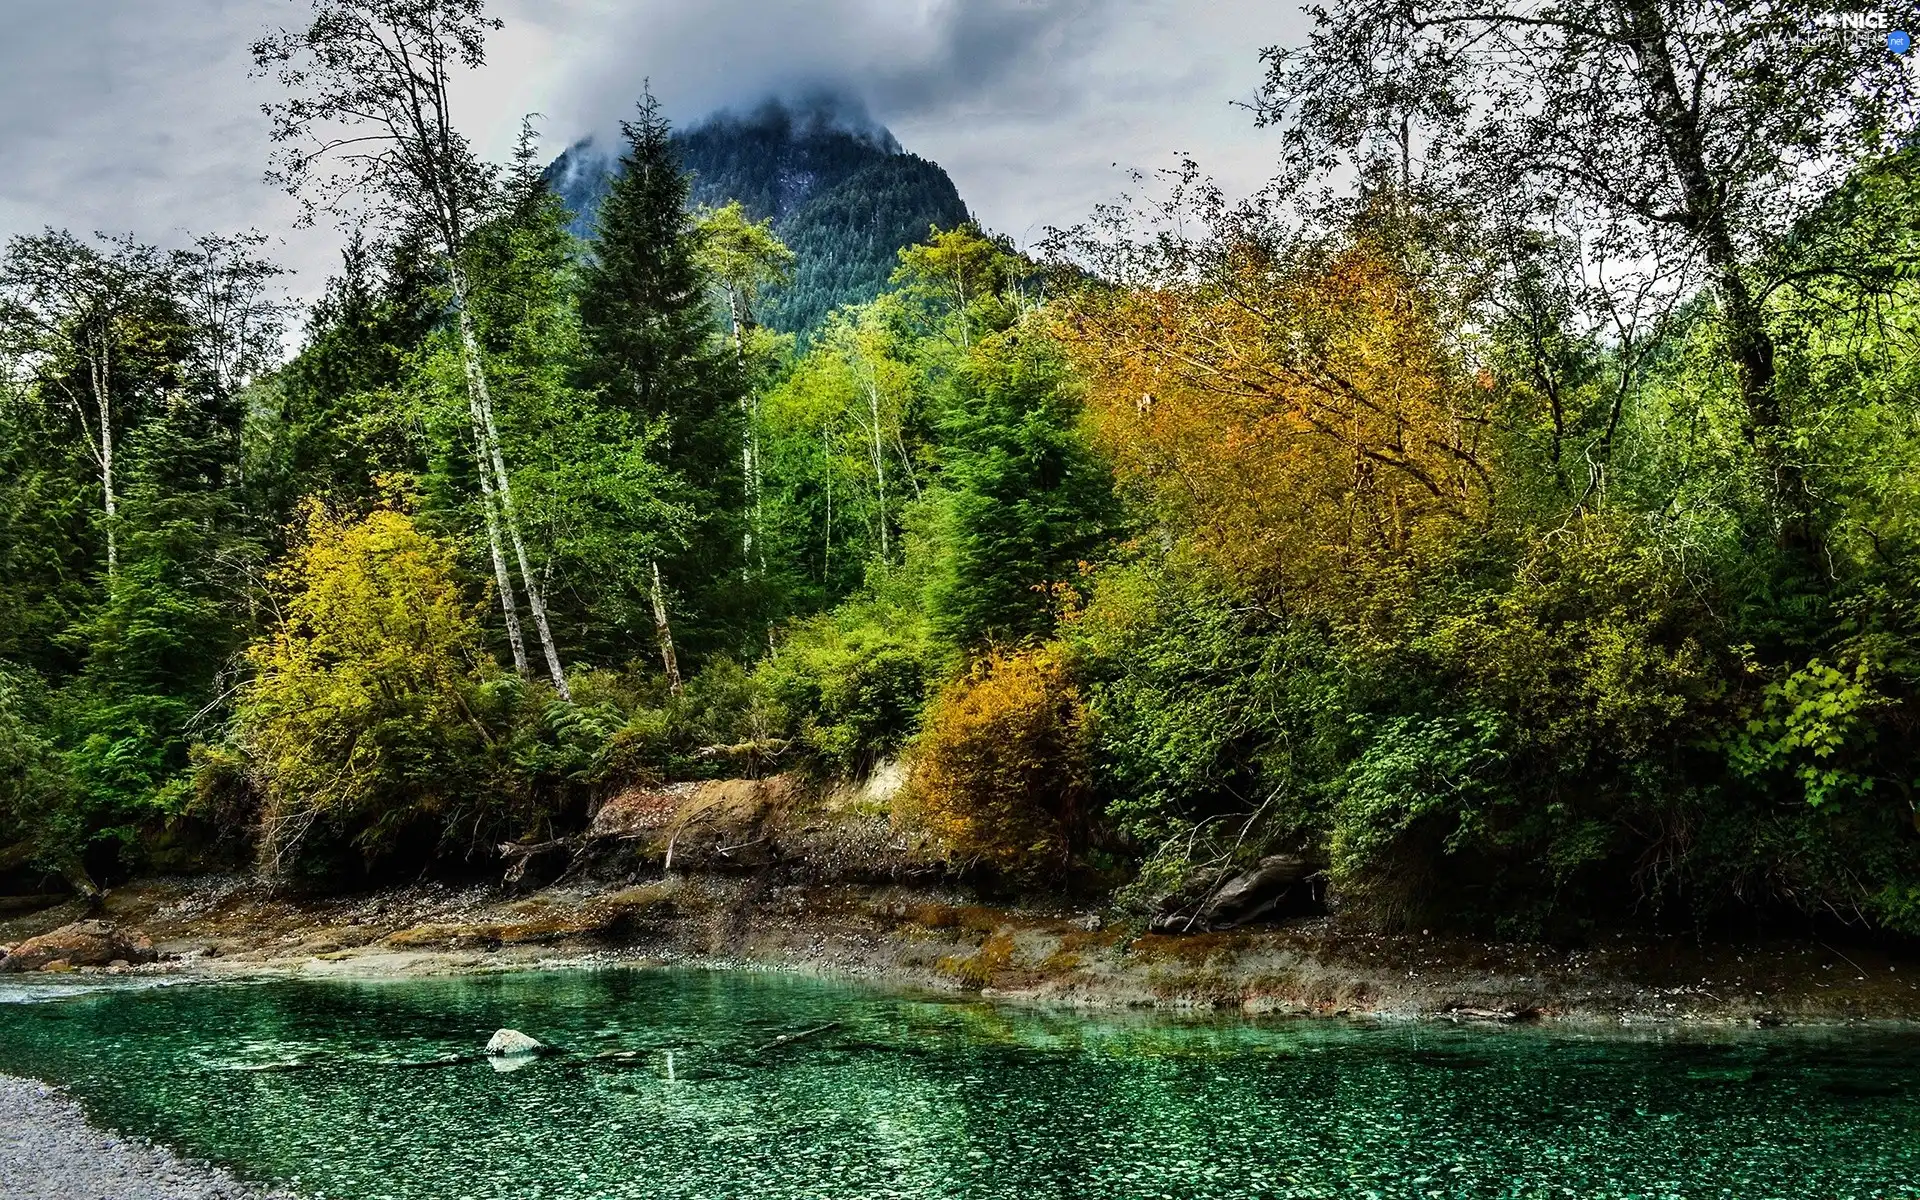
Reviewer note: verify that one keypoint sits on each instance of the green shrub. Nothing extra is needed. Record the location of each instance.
(720, 724)
(849, 686)
(40, 822)
(1201, 708)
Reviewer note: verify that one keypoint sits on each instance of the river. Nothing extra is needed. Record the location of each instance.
(315, 1085)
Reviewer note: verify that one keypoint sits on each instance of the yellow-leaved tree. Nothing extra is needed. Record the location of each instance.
(1294, 413)
(1000, 769)
(360, 718)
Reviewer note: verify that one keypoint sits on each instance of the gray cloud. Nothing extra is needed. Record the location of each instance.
(900, 57)
(139, 116)
(129, 116)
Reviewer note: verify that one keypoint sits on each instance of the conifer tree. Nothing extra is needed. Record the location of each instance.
(654, 348)
(593, 494)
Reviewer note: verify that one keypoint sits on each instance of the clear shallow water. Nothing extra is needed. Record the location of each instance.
(909, 1097)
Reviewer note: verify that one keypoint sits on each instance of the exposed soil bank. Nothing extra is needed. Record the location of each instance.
(49, 1151)
(943, 938)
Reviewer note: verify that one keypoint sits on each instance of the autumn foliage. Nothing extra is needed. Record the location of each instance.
(360, 714)
(1000, 769)
(1294, 411)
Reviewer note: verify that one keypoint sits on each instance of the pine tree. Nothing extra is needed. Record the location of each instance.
(654, 348)
(591, 495)
(1021, 502)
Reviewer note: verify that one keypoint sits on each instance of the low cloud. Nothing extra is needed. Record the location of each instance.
(139, 115)
(901, 58)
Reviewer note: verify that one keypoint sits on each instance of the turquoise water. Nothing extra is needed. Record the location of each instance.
(916, 1097)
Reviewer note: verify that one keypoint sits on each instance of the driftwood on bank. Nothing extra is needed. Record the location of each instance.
(753, 750)
(1231, 898)
(520, 856)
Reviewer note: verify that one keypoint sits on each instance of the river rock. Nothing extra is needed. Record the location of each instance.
(1235, 899)
(81, 944)
(506, 1042)
(1254, 893)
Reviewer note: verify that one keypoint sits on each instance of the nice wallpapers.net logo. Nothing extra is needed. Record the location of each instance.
(1860, 27)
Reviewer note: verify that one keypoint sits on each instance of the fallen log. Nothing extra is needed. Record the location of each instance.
(788, 1039)
(758, 749)
(1493, 1014)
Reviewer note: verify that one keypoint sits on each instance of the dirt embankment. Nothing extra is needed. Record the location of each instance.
(769, 873)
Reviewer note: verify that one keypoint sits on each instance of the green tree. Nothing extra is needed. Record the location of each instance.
(367, 128)
(39, 821)
(78, 319)
(846, 453)
(336, 419)
(652, 348)
(1021, 504)
(138, 609)
(744, 258)
(1687, 137)
(594, 493)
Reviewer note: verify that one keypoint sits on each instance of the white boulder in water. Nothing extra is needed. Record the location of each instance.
(511, 1042)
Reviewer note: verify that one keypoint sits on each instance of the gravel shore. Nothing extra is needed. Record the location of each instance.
(938, 937)
(49, 1151)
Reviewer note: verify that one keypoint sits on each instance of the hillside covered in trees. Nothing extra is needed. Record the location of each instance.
(837, 188)
(1513, 510)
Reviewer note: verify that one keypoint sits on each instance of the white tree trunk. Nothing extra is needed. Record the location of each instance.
(103, 399)
(754, 550)
(826, 552)
(480, 401)
(502, 579)
(879, 455)
(669, 661)
(476, 387)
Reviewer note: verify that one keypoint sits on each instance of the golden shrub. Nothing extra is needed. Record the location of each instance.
(1001, 764)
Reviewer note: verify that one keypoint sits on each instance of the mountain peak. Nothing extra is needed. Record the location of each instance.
(808, 116)
(837, 185)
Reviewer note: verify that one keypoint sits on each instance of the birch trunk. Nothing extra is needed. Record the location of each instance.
(103, 400)
(480, 402)
(879, 464)
(476, 386)
(502, 579)
(754, 552)
(662, 630)
(535, 603)
(826, 551)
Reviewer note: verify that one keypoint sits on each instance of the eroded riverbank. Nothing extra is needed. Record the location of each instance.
(948, 940)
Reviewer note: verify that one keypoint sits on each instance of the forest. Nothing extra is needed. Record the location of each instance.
(1513, 507)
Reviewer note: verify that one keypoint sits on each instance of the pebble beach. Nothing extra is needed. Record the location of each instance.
(50, 1151)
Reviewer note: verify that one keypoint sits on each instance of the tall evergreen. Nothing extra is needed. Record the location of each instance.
(335, 422)
(1021, 501)
(591, 494)
(653, 347)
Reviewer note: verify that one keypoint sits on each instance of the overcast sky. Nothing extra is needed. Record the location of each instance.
(138, 116)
